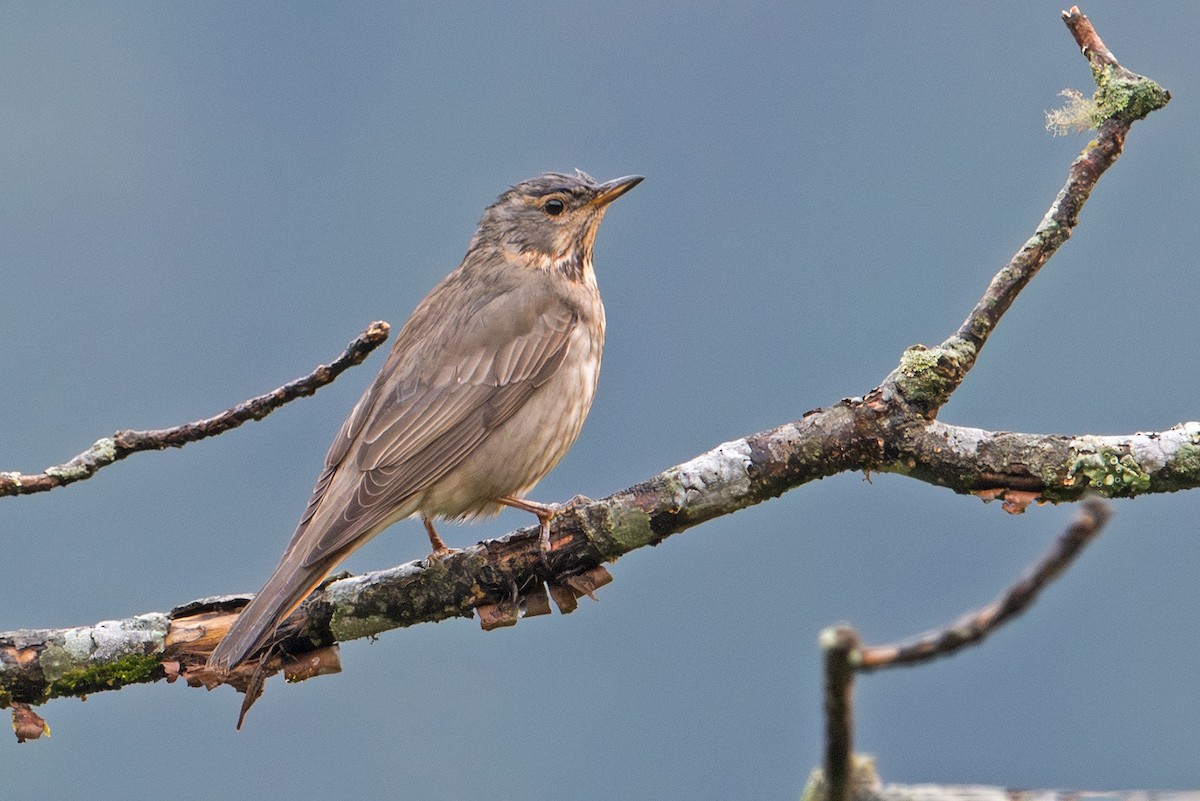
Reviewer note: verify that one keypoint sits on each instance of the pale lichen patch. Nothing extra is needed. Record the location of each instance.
(1106, 468)
(715, 478)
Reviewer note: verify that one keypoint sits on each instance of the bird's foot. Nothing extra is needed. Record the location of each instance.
(438, 554)
(545, 513)
(544, 534)
(440, 549)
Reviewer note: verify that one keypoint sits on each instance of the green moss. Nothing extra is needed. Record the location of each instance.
(103, 451)
(1120, 97)
(345, 627)
(1186, 460)
(919, 380)
(927, 376)
(627, 529)
(128, 669)
(1109, 470)
(917, 359)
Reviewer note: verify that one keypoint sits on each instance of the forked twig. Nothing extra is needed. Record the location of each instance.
(845, 655)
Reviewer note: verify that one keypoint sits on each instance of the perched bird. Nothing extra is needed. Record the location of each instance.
(485, 389)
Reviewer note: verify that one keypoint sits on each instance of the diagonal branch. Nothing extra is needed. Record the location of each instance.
(973, 628)
(1122, 97)
(123, 443)
(37, 665)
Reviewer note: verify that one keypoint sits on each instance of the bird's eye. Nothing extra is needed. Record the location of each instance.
(554, 207)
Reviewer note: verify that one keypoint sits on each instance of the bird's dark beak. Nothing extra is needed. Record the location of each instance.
(609, 191)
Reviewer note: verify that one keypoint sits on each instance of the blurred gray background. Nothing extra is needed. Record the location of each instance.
(198, 203)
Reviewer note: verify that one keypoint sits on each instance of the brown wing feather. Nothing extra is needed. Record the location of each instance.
(420, 425)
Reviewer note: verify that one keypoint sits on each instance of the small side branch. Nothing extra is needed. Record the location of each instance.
(845, 655)
(974, 627)
(927, 377)
(123, 443)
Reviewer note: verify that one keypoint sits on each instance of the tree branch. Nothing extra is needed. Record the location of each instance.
(37, 665)
(123, 443)
(845, 655)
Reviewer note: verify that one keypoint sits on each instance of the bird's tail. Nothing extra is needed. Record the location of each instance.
(290, 584)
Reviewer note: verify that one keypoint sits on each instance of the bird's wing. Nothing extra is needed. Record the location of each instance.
(431, 407)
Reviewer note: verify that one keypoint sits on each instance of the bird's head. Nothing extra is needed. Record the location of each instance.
(550, 222)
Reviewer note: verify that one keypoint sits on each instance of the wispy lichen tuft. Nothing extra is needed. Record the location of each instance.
(1078, 115)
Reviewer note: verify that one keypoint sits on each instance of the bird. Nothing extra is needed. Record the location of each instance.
(485, 389)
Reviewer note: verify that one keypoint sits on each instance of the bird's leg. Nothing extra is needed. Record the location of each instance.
(545, 513)
(439, 548)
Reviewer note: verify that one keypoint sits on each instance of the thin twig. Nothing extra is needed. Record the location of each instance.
(974, 627)
(1088, 40)
(123, 443)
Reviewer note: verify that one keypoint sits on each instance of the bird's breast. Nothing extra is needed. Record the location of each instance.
(527, 446)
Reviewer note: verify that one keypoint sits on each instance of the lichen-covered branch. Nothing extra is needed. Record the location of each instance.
(510, 572)
(123, 443)
(1122, 97)
(1052, 467)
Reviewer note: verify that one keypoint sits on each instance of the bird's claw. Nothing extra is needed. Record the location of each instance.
(439, 554)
